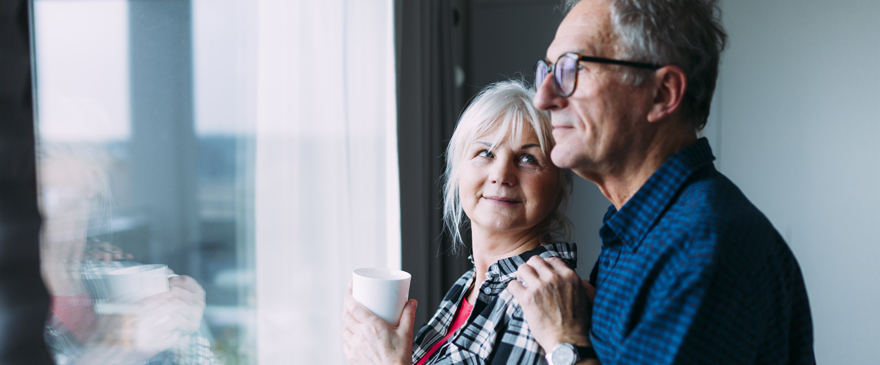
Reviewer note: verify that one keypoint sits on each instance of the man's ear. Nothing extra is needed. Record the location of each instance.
(670, 84)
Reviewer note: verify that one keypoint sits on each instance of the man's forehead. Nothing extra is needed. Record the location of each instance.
(585, 30)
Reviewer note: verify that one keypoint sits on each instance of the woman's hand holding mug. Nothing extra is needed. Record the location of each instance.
(370, 340)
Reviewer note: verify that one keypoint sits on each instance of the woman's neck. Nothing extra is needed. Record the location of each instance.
(491, 246)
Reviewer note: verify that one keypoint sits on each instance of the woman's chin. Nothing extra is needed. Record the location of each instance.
(500, 226)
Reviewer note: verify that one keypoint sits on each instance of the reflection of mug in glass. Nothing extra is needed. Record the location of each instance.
(383, 291)
(135, 283)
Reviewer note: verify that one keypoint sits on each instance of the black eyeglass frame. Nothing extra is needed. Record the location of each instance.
(579, 57)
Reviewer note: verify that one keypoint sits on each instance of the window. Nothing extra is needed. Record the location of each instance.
(249, 145)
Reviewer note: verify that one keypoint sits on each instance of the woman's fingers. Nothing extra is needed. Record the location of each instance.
(346, 351)
(348, 321)
(359, 312)
(370, 340)
(346, 333)
(407, 318)
(361, 321)
(357, 347)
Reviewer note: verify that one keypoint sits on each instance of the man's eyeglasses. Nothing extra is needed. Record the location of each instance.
(565, 71)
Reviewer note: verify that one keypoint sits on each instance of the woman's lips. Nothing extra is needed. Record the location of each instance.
(502, 200)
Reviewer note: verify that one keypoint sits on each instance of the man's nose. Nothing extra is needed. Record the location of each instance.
(546, 97)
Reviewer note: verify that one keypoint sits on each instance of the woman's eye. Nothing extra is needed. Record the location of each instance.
(486, 153)
(528, 158)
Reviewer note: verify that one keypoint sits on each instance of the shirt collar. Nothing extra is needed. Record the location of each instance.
(505, 269)
(632, 222)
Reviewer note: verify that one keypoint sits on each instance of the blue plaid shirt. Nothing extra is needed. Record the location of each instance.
(692, 273)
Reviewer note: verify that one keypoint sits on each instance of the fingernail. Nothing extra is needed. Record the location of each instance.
(414, 304)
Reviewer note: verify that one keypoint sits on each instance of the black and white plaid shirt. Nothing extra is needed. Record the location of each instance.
(495, 332)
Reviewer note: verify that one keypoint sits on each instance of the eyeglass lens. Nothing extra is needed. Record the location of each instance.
(541, 71)
(565, 72)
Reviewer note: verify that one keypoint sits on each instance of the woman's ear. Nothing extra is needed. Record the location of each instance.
(670, 86)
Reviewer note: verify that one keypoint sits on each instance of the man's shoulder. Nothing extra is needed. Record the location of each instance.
(709, 200)
(711, 219)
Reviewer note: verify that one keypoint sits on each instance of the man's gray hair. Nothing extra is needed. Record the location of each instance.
(684, 33)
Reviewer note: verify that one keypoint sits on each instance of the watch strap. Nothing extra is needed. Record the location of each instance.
(579, 352)
(585, 353)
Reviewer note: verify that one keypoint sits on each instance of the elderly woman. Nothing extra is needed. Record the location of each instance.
(500, 183)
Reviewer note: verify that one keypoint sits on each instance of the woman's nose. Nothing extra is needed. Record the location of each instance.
(503, 173)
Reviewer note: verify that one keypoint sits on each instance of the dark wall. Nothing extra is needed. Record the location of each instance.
(24, 302)
(506, 38)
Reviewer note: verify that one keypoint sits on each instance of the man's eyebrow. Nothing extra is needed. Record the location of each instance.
(579, 51)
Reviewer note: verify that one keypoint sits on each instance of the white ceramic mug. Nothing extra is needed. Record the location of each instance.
(135, 283)
(383, 291)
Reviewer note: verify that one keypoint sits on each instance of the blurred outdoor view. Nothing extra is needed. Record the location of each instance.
(190, 133)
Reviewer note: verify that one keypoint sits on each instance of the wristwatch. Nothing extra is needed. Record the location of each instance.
(569, 354)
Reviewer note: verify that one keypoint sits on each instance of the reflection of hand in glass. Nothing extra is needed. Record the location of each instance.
(106, 252)
(164, 317)
(152, 325)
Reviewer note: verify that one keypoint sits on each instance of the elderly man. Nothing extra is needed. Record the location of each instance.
(690, 270)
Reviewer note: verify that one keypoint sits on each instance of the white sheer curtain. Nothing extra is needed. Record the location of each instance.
(325, 171)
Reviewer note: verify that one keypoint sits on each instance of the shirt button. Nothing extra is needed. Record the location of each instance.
(487, 290)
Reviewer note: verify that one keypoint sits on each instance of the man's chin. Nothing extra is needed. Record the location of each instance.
(562, 158)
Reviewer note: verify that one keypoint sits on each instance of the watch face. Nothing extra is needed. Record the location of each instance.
(565, 354)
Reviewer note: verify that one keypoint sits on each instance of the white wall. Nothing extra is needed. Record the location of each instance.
(795, 125)
(799, 123)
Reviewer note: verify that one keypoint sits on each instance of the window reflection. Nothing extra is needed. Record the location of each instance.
(106, 308)
(185, 133)
(142, 249)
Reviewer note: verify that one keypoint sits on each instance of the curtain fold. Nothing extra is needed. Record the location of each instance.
(430, 47)
(322, 206)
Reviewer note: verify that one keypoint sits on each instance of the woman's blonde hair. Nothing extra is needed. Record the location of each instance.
(505, 105)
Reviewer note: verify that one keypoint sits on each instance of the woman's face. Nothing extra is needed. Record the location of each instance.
(512, 186)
